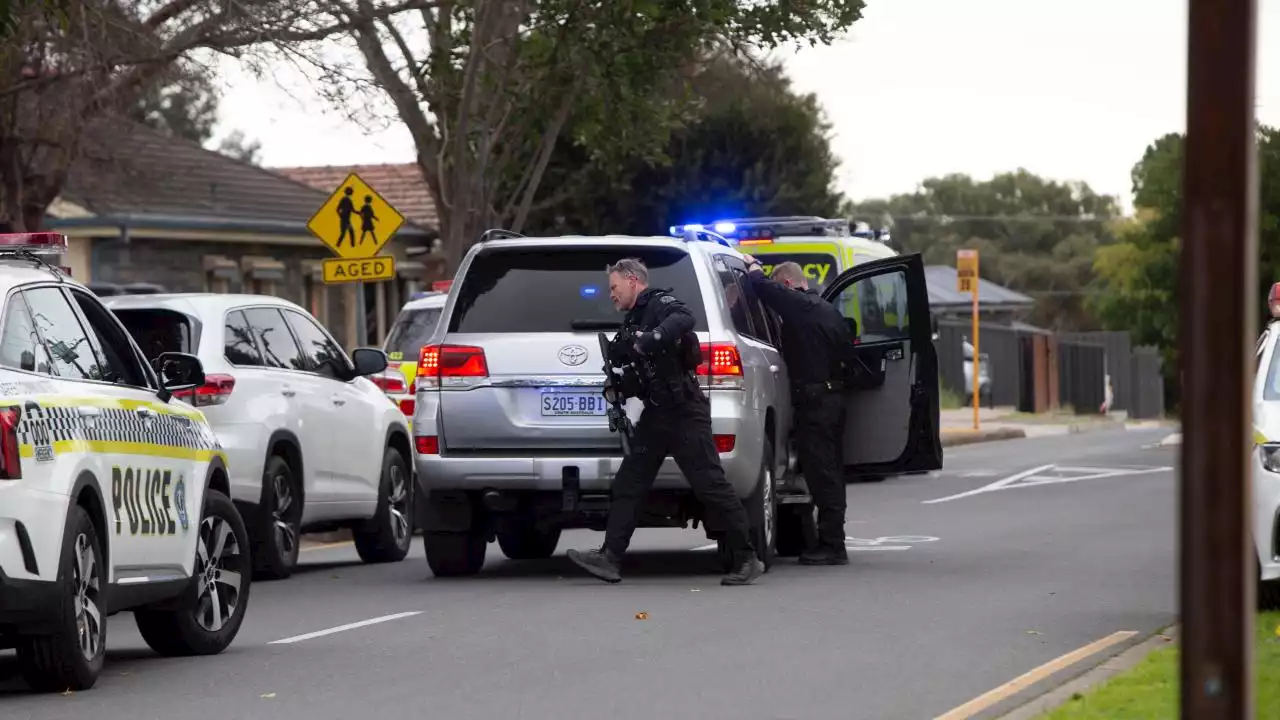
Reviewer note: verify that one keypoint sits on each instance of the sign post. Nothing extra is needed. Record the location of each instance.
(356, 223)
(967, 282)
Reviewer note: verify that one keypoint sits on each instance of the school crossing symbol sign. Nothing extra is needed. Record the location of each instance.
(356, 223)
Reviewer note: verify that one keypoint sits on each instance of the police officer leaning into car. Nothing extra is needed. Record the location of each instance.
(656, 335)
(816, 341)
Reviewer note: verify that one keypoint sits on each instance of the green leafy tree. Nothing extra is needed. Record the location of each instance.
(1137, 281)
(752, 146)
(497, 84)
(1033, 235)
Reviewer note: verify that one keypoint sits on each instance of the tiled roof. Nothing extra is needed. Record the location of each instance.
(942, 291)
(400, 184)
(131, 169)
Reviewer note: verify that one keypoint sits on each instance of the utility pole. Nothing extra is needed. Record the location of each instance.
(1218, 284)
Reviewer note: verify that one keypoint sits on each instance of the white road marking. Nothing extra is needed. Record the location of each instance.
(853, 544)
(343, 628)
(993, 486)
(1060, 474)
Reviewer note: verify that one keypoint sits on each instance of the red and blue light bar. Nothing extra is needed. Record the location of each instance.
(37, 243)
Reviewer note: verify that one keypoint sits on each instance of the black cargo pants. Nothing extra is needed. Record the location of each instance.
(819, 433)
(682, 431)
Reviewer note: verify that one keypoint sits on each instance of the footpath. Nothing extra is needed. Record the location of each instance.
(1005, 423)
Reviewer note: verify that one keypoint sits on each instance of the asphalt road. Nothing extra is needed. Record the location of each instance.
(943, 601)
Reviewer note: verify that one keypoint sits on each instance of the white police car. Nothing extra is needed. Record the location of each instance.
(113, 492)
(1266, 459)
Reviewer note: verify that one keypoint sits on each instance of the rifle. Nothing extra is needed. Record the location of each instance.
(618, 420)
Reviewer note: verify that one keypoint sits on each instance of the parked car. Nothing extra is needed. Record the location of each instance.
(519, 329)
(113, 492)
(1265, 463)
(312, 444)
(984, 377)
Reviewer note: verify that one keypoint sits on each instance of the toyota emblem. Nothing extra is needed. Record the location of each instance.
(573, 355)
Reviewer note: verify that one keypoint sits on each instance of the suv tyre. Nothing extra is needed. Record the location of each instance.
(279, 521)
(72, 658)
(521, 539)
(389, 535)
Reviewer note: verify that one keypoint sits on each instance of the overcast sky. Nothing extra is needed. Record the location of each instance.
(1072, 91)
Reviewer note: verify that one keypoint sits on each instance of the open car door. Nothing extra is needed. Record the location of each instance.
(892, 414)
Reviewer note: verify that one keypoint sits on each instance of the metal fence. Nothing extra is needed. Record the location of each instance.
(1147, 367)
(1000, 346)
(1082, 376)
(1119, 362)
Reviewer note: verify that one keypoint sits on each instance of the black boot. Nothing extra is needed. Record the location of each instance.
(825, 555)
(748, 571)
(602, 563)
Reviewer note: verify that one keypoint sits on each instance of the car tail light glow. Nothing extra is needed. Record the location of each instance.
(407, 406)
(1273, 301)
(38, 243)
(10, 457)
(391, 382)
(725, 443)
(444, 366)
(216, 390)
(427, 444)
(721, 365)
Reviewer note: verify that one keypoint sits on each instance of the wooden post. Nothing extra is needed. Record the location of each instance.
(1218, 307)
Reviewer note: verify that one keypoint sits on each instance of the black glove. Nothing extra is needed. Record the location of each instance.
(649, 343)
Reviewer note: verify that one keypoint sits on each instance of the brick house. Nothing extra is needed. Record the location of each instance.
(141, 209)
(402, 185)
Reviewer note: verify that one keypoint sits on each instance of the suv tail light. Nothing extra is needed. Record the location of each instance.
(721, 365)
(391, 382)
(427, 444)
(441, 366)
(10, 457)
(216, 390)
(725, 443)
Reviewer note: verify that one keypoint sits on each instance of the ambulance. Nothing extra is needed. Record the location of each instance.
(1265, 461)
(415, 323)
(822, 247)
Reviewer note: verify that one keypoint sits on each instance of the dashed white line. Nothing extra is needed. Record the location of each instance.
(343, 628)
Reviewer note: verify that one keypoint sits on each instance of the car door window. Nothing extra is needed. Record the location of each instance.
(321, 353)
(20, 345)
(879, 304)
(117, 361)
(278, 348)
(239, 345)
(59, 327)
(734, 296)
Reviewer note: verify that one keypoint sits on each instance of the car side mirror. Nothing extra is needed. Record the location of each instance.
(178, 372)
(368, 361)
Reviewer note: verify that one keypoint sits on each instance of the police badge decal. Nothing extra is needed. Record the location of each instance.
(180, 501)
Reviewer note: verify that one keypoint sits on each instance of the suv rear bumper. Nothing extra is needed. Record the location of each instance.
(28, 606)
(548, 473)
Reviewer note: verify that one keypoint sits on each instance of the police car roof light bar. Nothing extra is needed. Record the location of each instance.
(1273, 301)
(39, 243)
(698, 233)
(747, 228)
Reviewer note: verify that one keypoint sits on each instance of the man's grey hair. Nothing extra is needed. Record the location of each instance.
(630, 267)
(789, 271)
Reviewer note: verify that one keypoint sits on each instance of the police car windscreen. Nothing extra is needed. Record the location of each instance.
(410, 332)
(157, 331)
(820, 268)
(561, 289)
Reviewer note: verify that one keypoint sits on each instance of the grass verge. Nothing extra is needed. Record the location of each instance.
(1149, 691)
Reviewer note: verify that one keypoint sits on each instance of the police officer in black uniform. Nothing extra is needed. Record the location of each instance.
(657, 341)
(816, 342)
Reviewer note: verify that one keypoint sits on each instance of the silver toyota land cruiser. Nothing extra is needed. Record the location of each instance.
(511, 434)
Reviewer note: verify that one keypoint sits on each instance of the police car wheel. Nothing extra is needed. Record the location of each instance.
(1268, 592)
(455, 554)
(209, 612)
(279, 521)
(388, 536)
(72, 658)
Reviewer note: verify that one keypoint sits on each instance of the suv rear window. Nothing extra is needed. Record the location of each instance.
(411, 331)
(157, 331)
(561, 289)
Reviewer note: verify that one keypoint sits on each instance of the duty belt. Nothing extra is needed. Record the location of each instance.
(818, 388)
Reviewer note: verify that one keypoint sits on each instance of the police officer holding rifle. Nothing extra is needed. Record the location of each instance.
(816, 343)
(659, 354)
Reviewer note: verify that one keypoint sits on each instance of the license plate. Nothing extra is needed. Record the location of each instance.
(572, 404)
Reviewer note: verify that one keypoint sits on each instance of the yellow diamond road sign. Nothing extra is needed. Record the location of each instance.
(355, 222)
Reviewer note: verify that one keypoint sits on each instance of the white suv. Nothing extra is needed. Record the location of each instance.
(312, 444)
(510, 428)
(113, 493)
